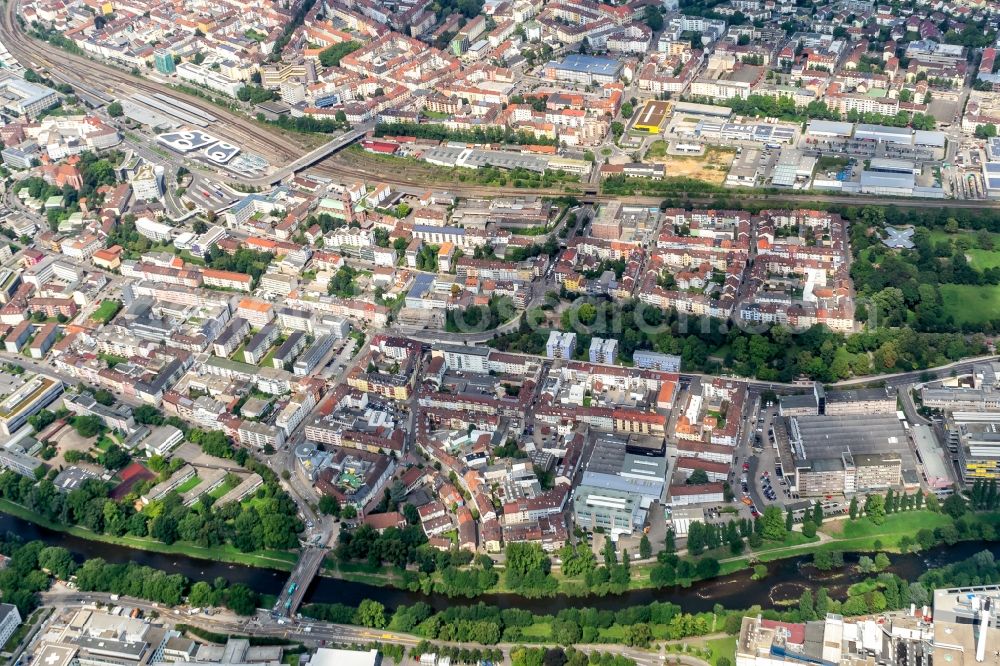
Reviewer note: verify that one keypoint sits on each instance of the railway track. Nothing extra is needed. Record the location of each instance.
(279, 149)
(331, 169)
(103, 77)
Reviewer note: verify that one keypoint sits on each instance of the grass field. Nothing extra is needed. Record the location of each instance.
(722, 647)
(983, 259)
(979, 258)
(657, 149)
(831, 163)
(190, 484)
(971, 303)
(266, 361)
(106, 311)
(238, 354)
(864, 535)
(896, 524)
(222, 490)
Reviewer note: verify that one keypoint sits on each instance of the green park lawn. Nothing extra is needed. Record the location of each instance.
(983, 259)
(979, 258)
(969, 303)
(862, 534)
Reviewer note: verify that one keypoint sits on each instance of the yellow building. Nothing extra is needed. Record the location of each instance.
(653, 117)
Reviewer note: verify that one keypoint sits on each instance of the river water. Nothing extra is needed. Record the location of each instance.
(784, 583)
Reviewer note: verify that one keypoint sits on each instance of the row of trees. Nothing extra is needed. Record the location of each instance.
(531, 656)
(32, 564)
(489, 625)
(438, 132)
(876, 506)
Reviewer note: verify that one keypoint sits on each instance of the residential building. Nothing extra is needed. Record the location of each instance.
(560, 345)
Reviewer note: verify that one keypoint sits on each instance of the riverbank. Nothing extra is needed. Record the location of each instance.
(836, 534)
(896, 534)
(280, 560)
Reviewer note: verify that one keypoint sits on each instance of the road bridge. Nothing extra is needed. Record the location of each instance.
(312, 157)
(294, 591)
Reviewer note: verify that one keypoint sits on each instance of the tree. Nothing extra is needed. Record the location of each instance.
(695, 539)
(645, 549)
(58, 561)
(255, 94)
(670, 542)
(789, 519)
(822, 604)
(881, 562)
(241, 599)
(708, 567)
(609, 552)
(330, 57)
(875, 508)
(817, 515)
(853, 508)
(808, 529)
(147, 415)
(774, 524)
(115, 110)
(699, 477)
(201, 595)
(984, 239)
(807, 605)
(566, 632)
(41, 420)
(653, 18)
(954, 505)
(371, 614)
(638, 635)
(827, 560)
(918, 594)
(986, 131)
(329, 505)
(88, 426)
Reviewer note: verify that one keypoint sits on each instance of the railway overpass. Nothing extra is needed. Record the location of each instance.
(294, 591)
(312, 157)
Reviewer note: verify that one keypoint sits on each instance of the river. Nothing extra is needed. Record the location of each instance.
(784, 583)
